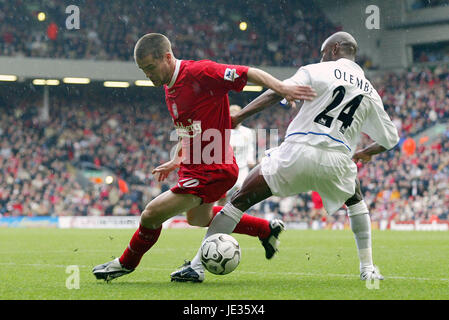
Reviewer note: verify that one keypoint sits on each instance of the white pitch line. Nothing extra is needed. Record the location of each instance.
(347, 275)
(339, 275)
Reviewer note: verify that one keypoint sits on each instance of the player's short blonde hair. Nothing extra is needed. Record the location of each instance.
(154, 44)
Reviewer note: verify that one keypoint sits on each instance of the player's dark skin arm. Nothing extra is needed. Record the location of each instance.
(265, 100)
(255, 188)
(288, 91)
(364, 155)
(276, 92)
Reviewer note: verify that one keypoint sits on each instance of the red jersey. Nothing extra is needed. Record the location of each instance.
(197, 99)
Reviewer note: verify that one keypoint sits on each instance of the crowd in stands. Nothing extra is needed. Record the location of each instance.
(39, 160)
(284, 33)
(431, 53)
(422, 4)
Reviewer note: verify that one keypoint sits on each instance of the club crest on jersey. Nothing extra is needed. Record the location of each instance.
(230, 74)
(188, 183)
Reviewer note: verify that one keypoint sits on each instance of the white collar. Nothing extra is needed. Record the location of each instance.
(353, 63)
(175, 74)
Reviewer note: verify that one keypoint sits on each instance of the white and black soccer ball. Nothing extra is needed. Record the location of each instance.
(220, 253)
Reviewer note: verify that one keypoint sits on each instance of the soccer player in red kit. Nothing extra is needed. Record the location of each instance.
(196, 94)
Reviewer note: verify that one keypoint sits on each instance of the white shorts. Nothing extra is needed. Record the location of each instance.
(293, 167)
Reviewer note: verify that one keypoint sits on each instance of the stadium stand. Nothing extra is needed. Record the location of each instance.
(420, 4)
(39, 160)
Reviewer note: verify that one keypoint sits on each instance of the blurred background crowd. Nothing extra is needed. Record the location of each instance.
(129, 135)
(39, 159)
(284, 33)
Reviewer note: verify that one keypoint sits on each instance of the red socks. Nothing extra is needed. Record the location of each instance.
(142, 240)
(250, 225)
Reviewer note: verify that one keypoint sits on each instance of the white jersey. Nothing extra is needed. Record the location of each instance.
(346, 104)
(243, 141)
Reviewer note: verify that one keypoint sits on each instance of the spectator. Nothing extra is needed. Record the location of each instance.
(284, 33)
(39, 159)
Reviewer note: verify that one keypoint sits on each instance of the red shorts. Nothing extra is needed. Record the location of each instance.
(209, 182)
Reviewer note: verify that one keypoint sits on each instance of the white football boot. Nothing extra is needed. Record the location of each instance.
(186, 273)
(110, 270)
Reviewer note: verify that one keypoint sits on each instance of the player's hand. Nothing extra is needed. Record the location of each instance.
(161, 173)
(361, 156)
(291, 93)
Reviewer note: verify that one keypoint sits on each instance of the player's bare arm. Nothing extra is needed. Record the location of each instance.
(366, 154)
(162, 171)
(289, 92)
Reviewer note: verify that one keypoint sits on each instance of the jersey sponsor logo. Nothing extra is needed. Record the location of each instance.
(188, 183)
(230, 74)
(188, 131)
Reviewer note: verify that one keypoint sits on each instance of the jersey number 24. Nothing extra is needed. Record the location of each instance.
(345, 116)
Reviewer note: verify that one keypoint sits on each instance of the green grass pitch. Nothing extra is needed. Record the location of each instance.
(310, 265)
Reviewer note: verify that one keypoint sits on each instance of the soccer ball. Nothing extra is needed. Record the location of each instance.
(220, 253)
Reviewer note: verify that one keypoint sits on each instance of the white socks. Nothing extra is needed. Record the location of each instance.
(361, 226)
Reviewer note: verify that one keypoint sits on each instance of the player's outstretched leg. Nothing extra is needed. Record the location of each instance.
(194, 270)
(142, 240)
(231, 219)
(267, 231)
(156, 212)
(361, 227)
(254, 190)
(371, 274)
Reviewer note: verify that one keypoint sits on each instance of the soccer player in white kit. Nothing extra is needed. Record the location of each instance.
(318, 152)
